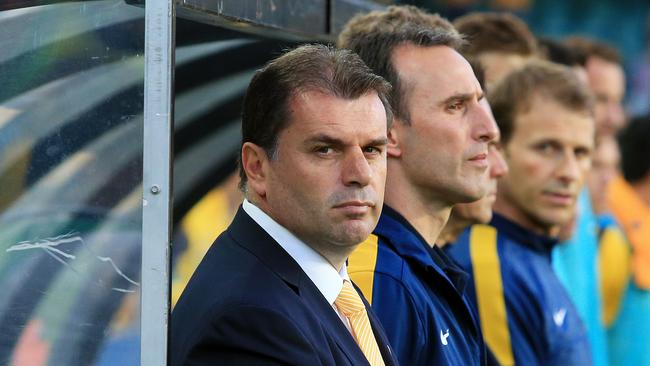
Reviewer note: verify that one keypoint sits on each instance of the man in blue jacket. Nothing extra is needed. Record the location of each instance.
(437, 157)
(273, 288)
(545, 115)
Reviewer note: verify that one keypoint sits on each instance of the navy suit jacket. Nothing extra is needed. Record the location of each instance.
(250, 303)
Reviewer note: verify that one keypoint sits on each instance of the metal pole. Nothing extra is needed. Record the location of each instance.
(157, 183)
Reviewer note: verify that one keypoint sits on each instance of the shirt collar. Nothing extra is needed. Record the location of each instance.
(540, 243)
(408, 243)
(327, 279)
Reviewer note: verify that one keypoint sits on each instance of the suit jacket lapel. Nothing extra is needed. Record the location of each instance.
(247, 233)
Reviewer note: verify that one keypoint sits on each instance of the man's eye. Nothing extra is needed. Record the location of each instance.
(546, 148)
(324, 150)
(581, 153)
(372, 150)
(456, 106)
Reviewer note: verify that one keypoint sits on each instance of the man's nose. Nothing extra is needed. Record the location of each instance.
(356, 169)
(615, 115)
(498, 165)
(484, 127)
(569, 169)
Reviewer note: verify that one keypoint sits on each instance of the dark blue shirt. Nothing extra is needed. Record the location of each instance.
(417, 293)
(525, 313)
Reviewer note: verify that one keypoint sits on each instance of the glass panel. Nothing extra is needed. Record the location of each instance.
(303, 16)
(71, 106)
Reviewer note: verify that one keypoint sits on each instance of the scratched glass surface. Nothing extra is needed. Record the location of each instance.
(71, 103)
(304, 16)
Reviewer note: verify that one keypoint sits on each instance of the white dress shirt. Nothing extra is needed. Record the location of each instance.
(327, 279)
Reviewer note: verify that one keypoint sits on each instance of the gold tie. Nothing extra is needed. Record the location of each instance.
(350, 304)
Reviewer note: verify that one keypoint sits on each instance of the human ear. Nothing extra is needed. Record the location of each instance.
(255, 163)
(393, 148)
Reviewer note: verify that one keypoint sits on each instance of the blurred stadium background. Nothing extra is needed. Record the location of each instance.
(71, 104)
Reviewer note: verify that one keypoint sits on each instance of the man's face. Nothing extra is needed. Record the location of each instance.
(498, 65)
(326, 183)
(481, 211)
(548, 157)
(604, 168)
(444, 151)
(607, 81)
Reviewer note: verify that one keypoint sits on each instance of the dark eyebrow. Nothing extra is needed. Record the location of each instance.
(326, 139)
(550, 141)
(382, 141)
(462, 97)
(323, 138)
(589, 149)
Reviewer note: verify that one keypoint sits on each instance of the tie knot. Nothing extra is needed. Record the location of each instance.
(348, 301)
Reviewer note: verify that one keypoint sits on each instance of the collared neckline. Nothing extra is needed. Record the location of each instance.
(537, 242)
(395, 226)
(327, 279)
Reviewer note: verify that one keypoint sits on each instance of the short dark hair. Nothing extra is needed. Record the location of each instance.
(514, 94)
(312, 67)
(495, 32)
(589, 47)
(558, 52)
(634, 143)
(375, 35)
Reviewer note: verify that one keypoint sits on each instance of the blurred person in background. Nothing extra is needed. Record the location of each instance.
(437, 157)
(613, 248)
(556, 51)
(500, 42)
(544, 113)
(606, 80)
(626, 281)
(575, 259)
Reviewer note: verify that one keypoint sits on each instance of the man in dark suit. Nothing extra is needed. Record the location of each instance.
(273, 289)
